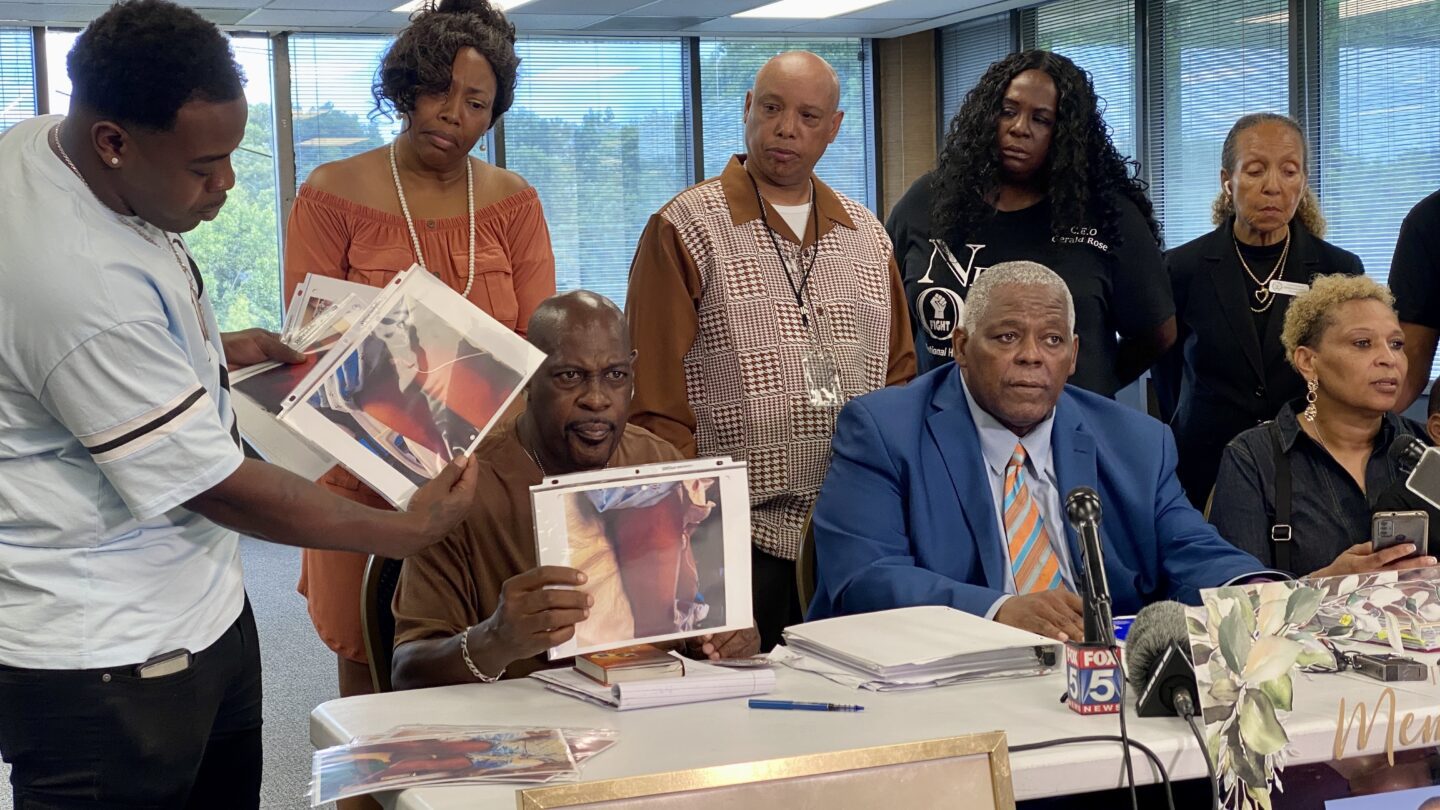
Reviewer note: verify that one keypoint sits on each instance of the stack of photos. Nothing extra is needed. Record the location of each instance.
(665, 549)
(433, 755)
(417, 382)
(322, 310)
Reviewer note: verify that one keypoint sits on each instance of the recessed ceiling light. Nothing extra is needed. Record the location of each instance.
(808, 9)
(415, 5)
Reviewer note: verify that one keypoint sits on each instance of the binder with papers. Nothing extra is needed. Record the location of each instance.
(916, 647)
(700, 683)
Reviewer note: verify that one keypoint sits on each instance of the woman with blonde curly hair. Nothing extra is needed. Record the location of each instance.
(1232, 287)
(1299, 491)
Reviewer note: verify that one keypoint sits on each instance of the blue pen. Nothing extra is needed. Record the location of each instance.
(801, 706)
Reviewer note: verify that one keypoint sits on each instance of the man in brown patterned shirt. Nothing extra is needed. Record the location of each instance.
(760, 302)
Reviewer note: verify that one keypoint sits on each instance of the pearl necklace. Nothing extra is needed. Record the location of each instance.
(185, 267)
(410, 223)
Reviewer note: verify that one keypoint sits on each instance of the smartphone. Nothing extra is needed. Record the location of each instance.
(165, 664)
(1393, 528)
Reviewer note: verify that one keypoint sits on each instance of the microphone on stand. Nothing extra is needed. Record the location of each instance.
(1092, 673)
(1082, 507)
(1405, 452)
(1157, 655)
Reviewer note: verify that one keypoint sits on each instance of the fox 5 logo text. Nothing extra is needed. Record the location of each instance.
(1093, 676)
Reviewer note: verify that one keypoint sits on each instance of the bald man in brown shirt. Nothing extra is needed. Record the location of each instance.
(475, 607)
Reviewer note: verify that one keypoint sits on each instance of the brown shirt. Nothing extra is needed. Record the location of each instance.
(722, 343)
(332, 236)
(456, 583)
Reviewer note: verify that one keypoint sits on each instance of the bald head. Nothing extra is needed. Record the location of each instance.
(801, 70)
(579, 398)
(579, 310)
(791, 116)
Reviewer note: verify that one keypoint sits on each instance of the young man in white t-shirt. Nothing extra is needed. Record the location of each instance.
(129, 671)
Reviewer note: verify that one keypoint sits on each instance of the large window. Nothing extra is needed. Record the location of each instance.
(1099, 36)
(1220, 60)
(1379, 149)
(727, 71)
(967, 50)
(238, 252)
(599, 128)
(332, 108)
(17, 76)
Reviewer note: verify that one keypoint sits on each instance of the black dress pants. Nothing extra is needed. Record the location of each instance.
(107, 738)
(777, 598)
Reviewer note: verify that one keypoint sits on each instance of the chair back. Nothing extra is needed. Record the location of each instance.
(377, 618)
(805, 564)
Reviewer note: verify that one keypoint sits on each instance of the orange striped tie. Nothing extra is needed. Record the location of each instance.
(1031, 558)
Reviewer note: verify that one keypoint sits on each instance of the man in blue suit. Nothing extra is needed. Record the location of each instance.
(949, 491)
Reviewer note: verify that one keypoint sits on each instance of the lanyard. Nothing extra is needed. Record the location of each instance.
(798, 290)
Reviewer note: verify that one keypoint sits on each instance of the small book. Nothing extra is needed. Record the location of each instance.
(641, 662)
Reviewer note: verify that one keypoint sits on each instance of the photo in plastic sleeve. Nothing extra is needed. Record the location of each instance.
(416, 386)
(665, 555)
(526, 755)
(318, 293)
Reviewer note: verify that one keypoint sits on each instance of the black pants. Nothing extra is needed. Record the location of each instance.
(777, 600)
(106, 738)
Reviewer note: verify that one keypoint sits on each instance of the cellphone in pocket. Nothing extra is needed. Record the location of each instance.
(165, 664)
(1393, 528)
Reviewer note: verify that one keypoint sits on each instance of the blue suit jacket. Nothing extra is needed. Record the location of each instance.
(906, 516)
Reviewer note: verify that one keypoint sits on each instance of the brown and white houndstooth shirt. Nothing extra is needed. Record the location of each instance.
(721, 340)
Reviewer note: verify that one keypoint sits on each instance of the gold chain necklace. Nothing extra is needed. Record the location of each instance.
(185, 268)
(1263, 294)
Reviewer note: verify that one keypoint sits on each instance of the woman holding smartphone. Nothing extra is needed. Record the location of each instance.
(1342, 336)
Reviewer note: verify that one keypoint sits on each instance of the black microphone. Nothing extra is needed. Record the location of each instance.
(1082, 507)
(1157, 660)
(1405, 452)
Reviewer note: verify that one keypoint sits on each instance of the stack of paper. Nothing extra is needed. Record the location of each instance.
(700, 683)
(916, 647)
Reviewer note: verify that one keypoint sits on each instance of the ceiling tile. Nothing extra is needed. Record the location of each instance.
(248, 5)
(740, 25)
(603, 7)
(534, 23)
(324, 5)
(306, 19)
(689, 8)
(915, 9)
(646, 24)
(845, 25)
(51, 12)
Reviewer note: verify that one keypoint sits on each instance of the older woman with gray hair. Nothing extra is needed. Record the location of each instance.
(1300, 491)
(1232, 287)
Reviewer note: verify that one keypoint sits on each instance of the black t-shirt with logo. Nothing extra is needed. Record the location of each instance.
(1121, 289)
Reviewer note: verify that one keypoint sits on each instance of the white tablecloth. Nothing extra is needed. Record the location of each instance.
(724, 732)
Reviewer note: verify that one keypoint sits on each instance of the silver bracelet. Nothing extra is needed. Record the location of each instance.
(474, 670)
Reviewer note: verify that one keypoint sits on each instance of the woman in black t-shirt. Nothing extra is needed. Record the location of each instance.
(1232, 289)
(1028, 172)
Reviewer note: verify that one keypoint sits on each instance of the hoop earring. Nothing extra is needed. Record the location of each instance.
(1311, 387)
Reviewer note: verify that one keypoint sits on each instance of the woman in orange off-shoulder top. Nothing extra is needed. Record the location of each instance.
(449, 75)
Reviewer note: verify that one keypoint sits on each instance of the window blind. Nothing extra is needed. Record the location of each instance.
(727, 71)
(1099, 36)
(600, 129)
(1219, 60)
(330, 80)
(17, 76)
(1379, 144)
(967, 50)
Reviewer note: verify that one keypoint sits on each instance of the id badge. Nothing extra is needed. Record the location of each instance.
(822, 380)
